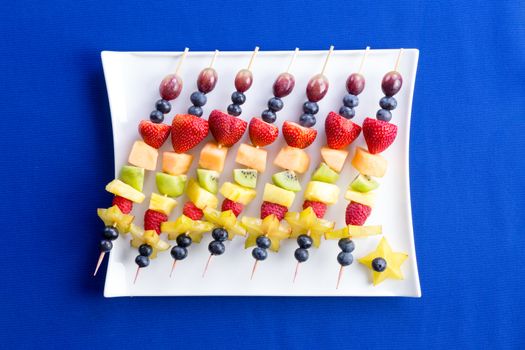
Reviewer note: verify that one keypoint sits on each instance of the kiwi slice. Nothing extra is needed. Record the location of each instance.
(287, 180)
(325, 174)
(245, 177)
(208, 179)
(364, 183)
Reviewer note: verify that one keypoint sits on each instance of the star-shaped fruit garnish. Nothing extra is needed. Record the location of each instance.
(150, 237)
(384, 263)
(114, 217)
(270, 226)
(306, 222)
(225, 219)
(184, 225)
(353, 231)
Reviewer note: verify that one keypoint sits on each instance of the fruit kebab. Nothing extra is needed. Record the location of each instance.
(379, 135)
(191, 130)
(143, 156)
(321, 191)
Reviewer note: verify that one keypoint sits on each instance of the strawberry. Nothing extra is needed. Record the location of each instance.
(153, 219)
(262, 133)
(124, 204)
(340, 132)
(297, 135)
(356, 213)
(226, 129)
(318, 207)
(233, 206)
(188, 131)
(268, 208)
(191, 211)
(379, 135)
(154, 134)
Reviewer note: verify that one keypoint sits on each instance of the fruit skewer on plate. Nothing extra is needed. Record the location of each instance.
(308, 226)
(379, 135)
(143, 156)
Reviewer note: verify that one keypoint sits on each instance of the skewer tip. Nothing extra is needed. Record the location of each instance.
(99, 262)
(206, 267)
(254, 268)
(173, 267)
(296, 271)
(339, 277)
(136, 275)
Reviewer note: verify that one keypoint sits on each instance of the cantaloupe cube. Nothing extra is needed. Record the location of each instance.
(143, 155)
(321, 192)
(369, 164)
(292, 158)
(161, 203)
(334, 158)
(252, 157)
(121, 189)
(367, 198)
(200, 197)
(237, 193)
(213, 157)
(176, 163)
(277, 195)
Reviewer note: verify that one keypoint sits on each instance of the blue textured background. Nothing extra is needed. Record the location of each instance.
(468, 189)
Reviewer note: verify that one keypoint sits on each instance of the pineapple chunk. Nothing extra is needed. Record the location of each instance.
(292, 158)
(237, 193)
(277, 195)
(121, 189)
(334, 158)
(321, 192)
(213, 157)
(200, 197)
(252, 157)
(176, 163)
(369, 164)
(113, 216)
(143, 155)
(367, 198)
(161, 203)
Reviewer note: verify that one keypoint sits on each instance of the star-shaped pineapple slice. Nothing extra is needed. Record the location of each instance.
(353, 231)
(269, 226)
(393, 262)
(225, 219)
(114, 217)
(140, 237)
(185, 225)
(306, 222)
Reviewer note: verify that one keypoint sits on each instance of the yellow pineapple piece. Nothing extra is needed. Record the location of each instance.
(176, 163)
(292, 158)
(334, 158)
(184, 225)
(252, 157)
(161, 203)
(113, 216)
(143, 155)
(121, 189)
(354, 232)
(213, 157)
(321, 192)
(277, 195)
(225, 219)
(367, 198)
(237, 193)
(150, 237)
(200, 197)
(369, 164)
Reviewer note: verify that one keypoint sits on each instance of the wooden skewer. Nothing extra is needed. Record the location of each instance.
(367, 50)
(293, 59)
(100, 259)
(327, 58)
(339, 277)
(398, 59)
(253, 57)
(213, 58)
(136, 275)
(182, 58)
(254, 268)
(206, 267)
(173, 267)
(296, 271)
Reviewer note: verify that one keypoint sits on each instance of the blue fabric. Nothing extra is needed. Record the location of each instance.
(468, 189)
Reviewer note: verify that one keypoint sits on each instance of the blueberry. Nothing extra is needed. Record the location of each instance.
(195, 110)
(179, 253)
(219, 234)
(307, 120)
(347, 112)
(198, 99)
(275, 104)
(216, 248)
(384, 115)
(263, 242)
(238, 98)
(346, 245)
(351, 101)
(105, 246)
(234, 110)
(345, 259)
(269, 116)
(145, 250)
(184, 241)
(163, 106)
(379, 264)
(156, 117)
(388, 103)
(304, 241)
(301, 254)
(310, 107)
(259, 253)
(142, 261)
(110, 233)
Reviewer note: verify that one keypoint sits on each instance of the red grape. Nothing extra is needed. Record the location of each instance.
(207, 80)
(317, 88)
(243, 80)
(283, 85)
(355, 84)
(170, 87)
(391, 84)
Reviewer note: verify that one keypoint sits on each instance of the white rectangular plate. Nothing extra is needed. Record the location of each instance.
(132, 80)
